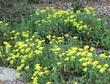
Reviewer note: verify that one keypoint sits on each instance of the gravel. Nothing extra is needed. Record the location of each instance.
(102, 8)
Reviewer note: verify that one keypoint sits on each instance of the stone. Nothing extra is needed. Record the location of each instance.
(8, 76)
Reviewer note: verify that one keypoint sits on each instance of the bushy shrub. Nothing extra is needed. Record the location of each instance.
(85, 24)
(55, 61)
(48, 47)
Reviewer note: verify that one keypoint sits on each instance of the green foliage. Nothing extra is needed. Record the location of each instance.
(83, 24)
(47, 47)
(34, 1)
(55, 61)
(86, 25)
(105, 41)
(76, 4)
(3, 26)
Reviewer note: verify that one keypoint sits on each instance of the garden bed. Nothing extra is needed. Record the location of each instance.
(57, 44)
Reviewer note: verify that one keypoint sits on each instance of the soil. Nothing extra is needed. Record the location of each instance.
(13, 10)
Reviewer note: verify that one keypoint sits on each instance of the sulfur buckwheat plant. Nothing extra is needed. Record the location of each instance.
(52, 46)
(88, 27)
(54, 61)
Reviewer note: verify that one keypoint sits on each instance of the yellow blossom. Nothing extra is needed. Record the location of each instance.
(32, 44)
(23, 60)
(86, 47)
(49, 37)
(1, 22)
(84, 64)
(85, 69)
(25, 34)
(102, 70)
(103, 55)
(27, 67)
(82, 59)
(12, 62)
(92, 49)
(95, 63)
(18, 75)
(20, 44)
(59, 63)
(109, 70)
(66, 59)
(75, 82)
(38, 67)
(27, 50)
(40, 73)
(49, 82)
(7, 45)
(99, 66)
(19, 68)
(106, 65)
(89, 54)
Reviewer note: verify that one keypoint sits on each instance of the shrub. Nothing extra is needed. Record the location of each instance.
(25, 52)
(46, 47)
(86, 25)
(55, 61)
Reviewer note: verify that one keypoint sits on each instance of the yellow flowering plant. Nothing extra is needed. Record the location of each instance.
(42, 62)
(85, 24)
(48, 47)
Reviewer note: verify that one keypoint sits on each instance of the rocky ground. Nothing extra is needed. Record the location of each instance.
(102, 8)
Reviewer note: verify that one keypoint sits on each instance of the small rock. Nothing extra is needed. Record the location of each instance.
(8, 76)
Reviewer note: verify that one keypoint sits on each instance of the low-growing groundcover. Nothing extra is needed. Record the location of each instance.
(56, 61)
(48, 47)
(84, 24)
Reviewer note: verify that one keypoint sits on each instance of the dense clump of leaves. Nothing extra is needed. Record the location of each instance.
(57, 61)
(85, 24)
(46, 47)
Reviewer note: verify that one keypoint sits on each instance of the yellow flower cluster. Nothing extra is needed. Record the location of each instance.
(25, 34)
(39, 71)
(24, 50)
(87, 58)
(29, 52)
(7, 45)
(89, 10)
(50, 19)
(41, 56)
